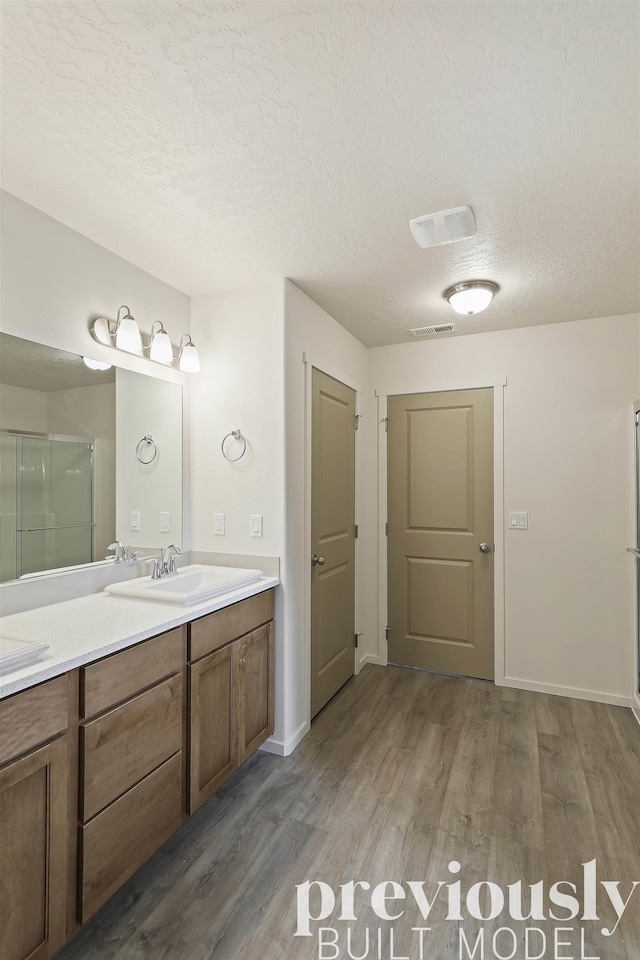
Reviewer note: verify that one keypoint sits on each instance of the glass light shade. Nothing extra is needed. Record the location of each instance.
(189, 359)
(96, 364)
(471, 301)
(472, 296)
(160, 349)
(128, 336)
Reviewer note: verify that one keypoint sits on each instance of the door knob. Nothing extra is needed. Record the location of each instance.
(485, 548)
(316, 559)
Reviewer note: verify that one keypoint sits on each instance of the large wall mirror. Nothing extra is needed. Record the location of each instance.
(86, 457)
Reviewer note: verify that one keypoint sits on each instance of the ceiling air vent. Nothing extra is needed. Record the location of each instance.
(430, 331)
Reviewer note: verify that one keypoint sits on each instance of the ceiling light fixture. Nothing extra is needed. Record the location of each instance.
(96, 364)
(123, 333)
(470, 297)
(159, 347)
(187, 356)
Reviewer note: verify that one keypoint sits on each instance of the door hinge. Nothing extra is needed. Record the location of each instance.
(356, 530)
(386, 424)
(387, 630)
(386, 529)
(357, 419)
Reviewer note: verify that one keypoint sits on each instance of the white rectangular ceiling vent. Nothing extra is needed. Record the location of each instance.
(446, 226)
(429, 331)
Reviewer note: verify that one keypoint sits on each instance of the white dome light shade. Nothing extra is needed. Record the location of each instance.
(128, 335)
(96, 364)
(160, 348)
(472, 296)
(189, 359)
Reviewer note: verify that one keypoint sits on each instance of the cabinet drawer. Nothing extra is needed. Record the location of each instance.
(125, 744)
(120, 676)
(33, 716)
(213, 631)
(123, 837)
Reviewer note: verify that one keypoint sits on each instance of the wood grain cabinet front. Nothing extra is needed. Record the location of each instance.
(33, 824)
(230, 710)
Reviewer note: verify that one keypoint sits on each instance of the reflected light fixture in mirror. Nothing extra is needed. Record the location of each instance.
(96, 364)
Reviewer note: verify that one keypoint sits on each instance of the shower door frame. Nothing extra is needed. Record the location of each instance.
(57, 437)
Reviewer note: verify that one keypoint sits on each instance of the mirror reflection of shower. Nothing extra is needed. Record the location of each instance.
(46, 503)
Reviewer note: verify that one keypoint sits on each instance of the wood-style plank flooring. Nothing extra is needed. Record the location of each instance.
(403, 772)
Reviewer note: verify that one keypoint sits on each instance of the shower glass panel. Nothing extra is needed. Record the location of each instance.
(8, 508)
(52, 498)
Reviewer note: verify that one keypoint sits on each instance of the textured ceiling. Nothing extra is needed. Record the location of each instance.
(24, 363)
(222, 144)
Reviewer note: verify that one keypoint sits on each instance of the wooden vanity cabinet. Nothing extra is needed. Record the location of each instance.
(230, 691)
(34, 788)
(132, 763)
(101, 766)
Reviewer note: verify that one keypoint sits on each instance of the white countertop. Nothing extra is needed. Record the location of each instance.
(82, 630)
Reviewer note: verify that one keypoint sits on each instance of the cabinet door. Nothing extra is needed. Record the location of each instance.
(33, 836)
(212, 707)
(256, 680)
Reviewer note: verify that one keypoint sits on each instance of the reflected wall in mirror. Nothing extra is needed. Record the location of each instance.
(69, 475)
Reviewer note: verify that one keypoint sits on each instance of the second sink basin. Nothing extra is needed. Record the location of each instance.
(192, 584)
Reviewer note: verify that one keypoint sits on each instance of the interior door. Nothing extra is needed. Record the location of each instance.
(332, 537)
(440, 532)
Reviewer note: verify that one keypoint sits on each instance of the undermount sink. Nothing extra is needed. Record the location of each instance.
(192, 584)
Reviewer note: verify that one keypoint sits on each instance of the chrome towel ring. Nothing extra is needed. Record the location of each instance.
(142, 453)
(236, 436)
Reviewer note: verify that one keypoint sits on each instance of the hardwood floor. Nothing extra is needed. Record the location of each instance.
(402, 773)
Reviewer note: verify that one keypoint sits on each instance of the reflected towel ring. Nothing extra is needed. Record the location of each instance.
(236, 436)
(150, 443)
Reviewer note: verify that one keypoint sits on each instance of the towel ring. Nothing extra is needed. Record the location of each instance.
(150, 443)
(236, 436)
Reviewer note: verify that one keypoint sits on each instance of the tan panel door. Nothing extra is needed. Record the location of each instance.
(440, 535)
(332, 537)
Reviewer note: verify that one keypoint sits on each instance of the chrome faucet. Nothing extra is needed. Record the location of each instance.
(121, 552)
(169, 555)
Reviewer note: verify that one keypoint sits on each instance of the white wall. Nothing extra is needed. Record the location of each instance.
(22, 409)
(568, 460)
(314, 339)
(148, 407)
(54, 281)
(239, 334)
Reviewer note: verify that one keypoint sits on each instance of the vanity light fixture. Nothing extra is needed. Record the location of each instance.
(187, 356)
(470, 297)
(159, 347)
(96, 364)
(125, 335)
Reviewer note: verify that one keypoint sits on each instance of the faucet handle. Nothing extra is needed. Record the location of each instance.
(155, 572)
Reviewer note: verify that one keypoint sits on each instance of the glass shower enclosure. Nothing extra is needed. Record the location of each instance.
(46, 503)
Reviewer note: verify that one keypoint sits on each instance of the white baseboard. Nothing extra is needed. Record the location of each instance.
(577, 694)
(283, 748)
(368, 658)
(635, 707)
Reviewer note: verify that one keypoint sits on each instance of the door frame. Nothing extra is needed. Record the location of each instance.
(309, 365)
(498, 511)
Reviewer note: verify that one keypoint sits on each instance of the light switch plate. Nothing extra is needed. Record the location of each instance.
(518, 520)
(165, 521)
(255, 525)
(218, 524)
(135, 519)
